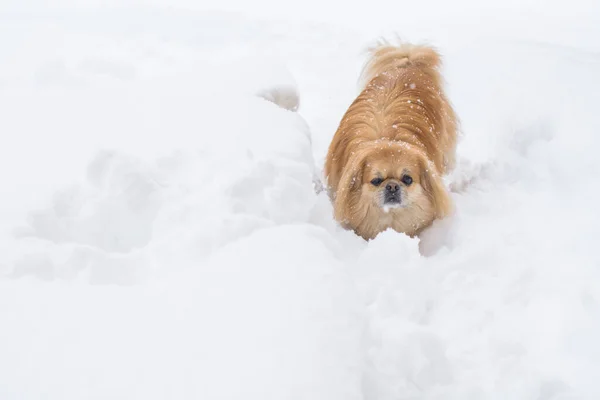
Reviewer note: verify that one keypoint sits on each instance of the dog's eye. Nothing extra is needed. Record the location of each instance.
(376, 181)
(407, 180)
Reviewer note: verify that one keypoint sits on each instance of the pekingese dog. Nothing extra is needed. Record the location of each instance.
(397, 139)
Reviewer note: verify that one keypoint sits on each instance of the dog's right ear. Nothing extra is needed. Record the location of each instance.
(350, 182)
(431, 181)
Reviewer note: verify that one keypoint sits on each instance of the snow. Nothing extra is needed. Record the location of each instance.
(163, 233)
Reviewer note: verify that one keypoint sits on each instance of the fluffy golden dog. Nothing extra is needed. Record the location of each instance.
(397, 139)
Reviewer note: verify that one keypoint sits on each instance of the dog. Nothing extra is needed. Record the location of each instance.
(394, 144)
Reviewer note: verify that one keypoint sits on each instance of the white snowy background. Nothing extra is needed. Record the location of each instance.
(161, 238)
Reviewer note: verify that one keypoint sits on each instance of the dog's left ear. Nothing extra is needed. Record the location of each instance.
(432, 183)
(350, 182)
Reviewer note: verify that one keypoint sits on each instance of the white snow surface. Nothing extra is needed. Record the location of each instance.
(161, 236)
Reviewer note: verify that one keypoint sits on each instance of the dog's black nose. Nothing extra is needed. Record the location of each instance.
(392, 187)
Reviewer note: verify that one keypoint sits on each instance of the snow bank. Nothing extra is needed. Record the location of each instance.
(246, 164)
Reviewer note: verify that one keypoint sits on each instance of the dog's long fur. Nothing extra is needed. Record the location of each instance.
(400, 123)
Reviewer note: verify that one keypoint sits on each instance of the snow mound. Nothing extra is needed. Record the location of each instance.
(252, 172)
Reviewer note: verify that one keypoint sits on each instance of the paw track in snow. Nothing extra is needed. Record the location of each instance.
(113, 211)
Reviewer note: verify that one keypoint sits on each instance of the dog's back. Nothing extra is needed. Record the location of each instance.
(406, 81)
(402, 99)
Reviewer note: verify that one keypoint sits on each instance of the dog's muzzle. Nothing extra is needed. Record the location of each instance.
(391, 193)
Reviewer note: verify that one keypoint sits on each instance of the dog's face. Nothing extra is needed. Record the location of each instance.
(390, 186)
(392, 180)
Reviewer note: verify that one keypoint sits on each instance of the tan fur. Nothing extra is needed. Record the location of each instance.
(401, 123)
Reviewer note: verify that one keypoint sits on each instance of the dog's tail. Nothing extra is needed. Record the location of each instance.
(385, 56)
